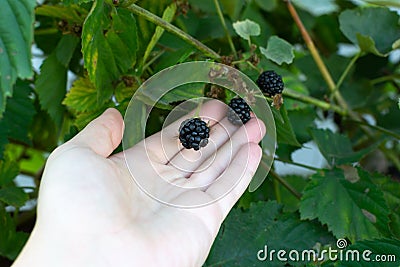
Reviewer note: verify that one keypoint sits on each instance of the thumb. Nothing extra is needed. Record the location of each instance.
(103, 134)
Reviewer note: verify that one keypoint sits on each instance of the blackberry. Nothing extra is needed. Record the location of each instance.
(270, 83)
(239, 112)
(194, 133)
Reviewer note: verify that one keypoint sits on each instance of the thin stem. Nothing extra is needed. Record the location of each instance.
(151, 61)
(286, 185)
(277, 191)
(317, 58)
(385, 79)
(228, 36)
(279, 179)
(346, 72)
(316, 102)
(198, 108)
(252, 66)
(46, 31)
(377, 128)
(249, 42)
(172, 29)
(297, 164)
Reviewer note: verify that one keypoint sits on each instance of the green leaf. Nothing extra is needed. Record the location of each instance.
(278, 50)
(19, 113)
(16, 36)
(18, 116)
(82, 96)
(70, 2)
(182, 93)
(168, 15)
(82, 100)
(74, 14)
(13, 196)
(3, 138)
(262, 225)
(337, 148)
(65, 49)
(388, 249)
(109, 44)
(51, 87)
(390, 189)
(8, 171)
(232, 8)
(367, 44)
(267, 5)
(387, 3)
(51, 83)
(317, 8)
(126, 89)
(12, 241)
(246, 28)
(284, 130)
(170, 59)
(33, 161)
(365, 23)
(348, 202)
(44, 131)
(304, 119)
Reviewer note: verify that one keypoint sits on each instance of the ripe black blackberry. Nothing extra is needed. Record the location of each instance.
(194, 133)
(239, 112)
(270, 83)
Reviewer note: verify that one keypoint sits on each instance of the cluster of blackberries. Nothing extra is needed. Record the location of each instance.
(194, 133)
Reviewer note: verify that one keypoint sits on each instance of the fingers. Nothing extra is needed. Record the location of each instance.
(244, 165)
(166, 143)
(103, 134)
(252, 132)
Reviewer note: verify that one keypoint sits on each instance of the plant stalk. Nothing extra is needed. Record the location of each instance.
(317, 58)
(385, 79)
(221, 18)
(316, 102)
(346, 71)
(285, 184)
(137, 10)
(297, 164)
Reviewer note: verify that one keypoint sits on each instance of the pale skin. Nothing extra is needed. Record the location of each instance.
(92, 213)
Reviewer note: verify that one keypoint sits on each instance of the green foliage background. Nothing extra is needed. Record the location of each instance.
(111, 47)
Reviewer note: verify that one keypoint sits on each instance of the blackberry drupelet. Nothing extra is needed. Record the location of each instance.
(194, 133)
(270, 83)
(239, 112)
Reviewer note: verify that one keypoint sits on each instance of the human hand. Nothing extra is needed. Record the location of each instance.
(92, 213)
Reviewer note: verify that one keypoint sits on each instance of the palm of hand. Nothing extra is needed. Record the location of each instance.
(102, 204)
